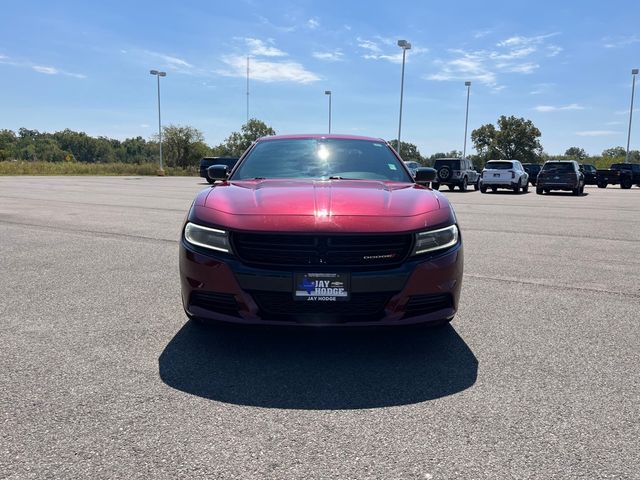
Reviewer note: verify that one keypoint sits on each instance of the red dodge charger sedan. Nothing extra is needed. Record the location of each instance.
(321, 230)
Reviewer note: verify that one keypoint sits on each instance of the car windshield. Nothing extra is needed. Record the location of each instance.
(559, 167)
(452, 164)
(498, 165)
(621, 166)
(322, 159)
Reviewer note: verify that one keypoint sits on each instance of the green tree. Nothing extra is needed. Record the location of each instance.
(576, 152)
(183, 146)
(614, 152)
(514, 138)
(8, 143)
(236, 143)
(409, 151)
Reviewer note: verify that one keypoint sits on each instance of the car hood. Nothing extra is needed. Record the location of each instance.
(297, 205)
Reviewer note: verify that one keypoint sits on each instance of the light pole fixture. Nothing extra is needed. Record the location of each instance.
(328, 92)
(466, 121)
(634, 72)
(404, 45)
(159, 74)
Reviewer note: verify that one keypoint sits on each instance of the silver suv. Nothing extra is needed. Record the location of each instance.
(455, 172)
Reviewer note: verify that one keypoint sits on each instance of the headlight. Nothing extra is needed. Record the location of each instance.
(436, 239)
(206, 237)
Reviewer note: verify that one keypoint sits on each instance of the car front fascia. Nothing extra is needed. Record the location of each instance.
(431, 273)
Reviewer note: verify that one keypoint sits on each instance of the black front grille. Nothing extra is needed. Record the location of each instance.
(360, 307)
(423, 304)
(224, 303)
(330, 250)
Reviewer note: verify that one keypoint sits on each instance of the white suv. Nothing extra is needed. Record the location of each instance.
(504, 174)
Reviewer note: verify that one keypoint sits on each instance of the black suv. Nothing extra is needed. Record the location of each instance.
(589, 173)
(455, 172)
(533, 169)
(560, 175)
(206, 162)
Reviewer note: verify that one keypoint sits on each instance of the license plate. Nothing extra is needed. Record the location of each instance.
(321, 287)
(496, 175)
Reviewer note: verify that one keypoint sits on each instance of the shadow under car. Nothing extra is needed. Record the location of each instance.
(317, 368)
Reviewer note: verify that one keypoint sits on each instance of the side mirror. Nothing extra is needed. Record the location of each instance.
(425, 175)
(217, 172)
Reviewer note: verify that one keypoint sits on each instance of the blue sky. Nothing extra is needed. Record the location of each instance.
(85, 65)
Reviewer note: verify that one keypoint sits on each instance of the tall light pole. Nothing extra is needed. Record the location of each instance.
(247, 89)
(404, 45)
(328, 92)
(159, 74)
(466, 121)
(634, 72)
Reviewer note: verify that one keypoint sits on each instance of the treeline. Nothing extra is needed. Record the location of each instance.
(182, 146)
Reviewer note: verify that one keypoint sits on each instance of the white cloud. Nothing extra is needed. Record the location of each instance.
(482, 33)
(552, 108)
(375, 52)
(45, 70)
(55, 71)
(469, 66)
(521, 67)
(596, 133)
(266, 71)
(368, 45)
(144, 125)
(541, 88)
(614, 123)
(519, 40)
(336, 56)
(619, 42)
(313, 23)
(513, 55)
(553, 50)
(171, 61)
(260, 48)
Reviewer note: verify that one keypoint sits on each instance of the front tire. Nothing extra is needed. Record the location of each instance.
(435, 185)
(525, 189)
(451, 187)
(494, 189)
(483, 189)
(539, 190)
(476, 186)
(463, 187)
(516, 188)
(626, 184)
(602, 185)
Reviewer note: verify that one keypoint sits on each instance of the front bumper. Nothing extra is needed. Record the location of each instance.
(220, 287)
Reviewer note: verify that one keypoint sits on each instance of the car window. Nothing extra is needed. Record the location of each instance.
(499, 165)
(322, 159)
(452, 164)
(559, 167)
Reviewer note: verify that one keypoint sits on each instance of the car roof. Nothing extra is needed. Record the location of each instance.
(319, 136)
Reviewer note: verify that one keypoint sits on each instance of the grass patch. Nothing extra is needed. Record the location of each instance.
(68, 168)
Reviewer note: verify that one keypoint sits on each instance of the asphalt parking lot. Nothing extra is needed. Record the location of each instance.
(104, 377)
